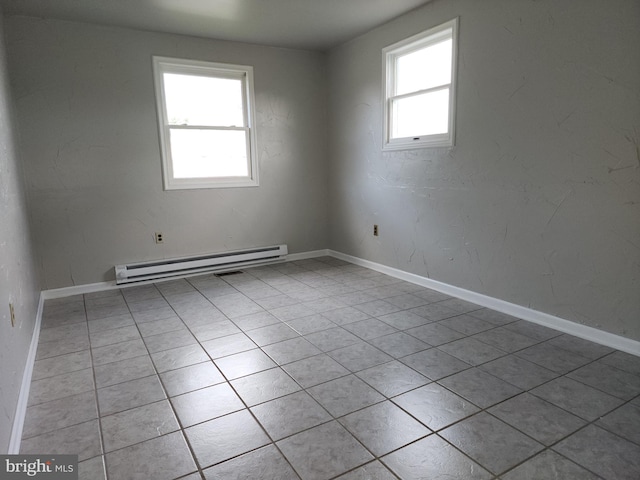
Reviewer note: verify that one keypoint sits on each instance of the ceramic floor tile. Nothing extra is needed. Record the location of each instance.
(92, 469)
(435, 459)
(115, 335)
(472, 351)
(291, 414)
(581, 347)
(577, 398)
(407, 301)
(255, 320)
(272, 334)
(137, 425)
(60, 386)
(228, 345)
(377, 308)
(170, 454)
(314, 370)
(178, 358)
(480, 388)
(435, 334)
(505, 339)
(518, 372)
(131, 394)
(264, 386)
(624, 421)
(46, 417)
(383, 427)
(153, 315)
(461, 306)
(160, 326)
(191, 378)
(123, 371)
(308, 452)
(434, 364)
(399, 344)
(435, 406)
(493, 316)
(225, 437)
(71, 362)
(540, 420)
(369, 328)
(310, 324)
(411, 349)
(359, 356)
(343, 316)
(109, 323)
(332, 339)
(370, 471)
(553, 358)
(467, 324)
(82, 439)
(291, 350)
(169, 340)
(65, 332)
(291, 312)
(529, 329)
(345, 395)
(608, 379)
(403, 320)
(548, 465)
(392, 378)
(490, 442)
(118, 351)
(608, 455)
(434, 312)
(266, 463)
(245, 363)
(206, 404)
(62, 347)
(623, 361)
(324, 304)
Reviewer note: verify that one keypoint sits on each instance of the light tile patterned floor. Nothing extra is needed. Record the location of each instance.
(321, 369)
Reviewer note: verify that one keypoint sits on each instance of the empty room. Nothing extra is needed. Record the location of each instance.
(305, 239)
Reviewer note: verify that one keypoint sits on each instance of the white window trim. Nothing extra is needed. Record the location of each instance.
(389, 54)
(193, 67)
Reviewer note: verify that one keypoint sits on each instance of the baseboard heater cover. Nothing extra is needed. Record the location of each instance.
(215, 262)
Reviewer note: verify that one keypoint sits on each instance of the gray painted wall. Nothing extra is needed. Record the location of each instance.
(538, 203)
(87, 116)
(17, 273)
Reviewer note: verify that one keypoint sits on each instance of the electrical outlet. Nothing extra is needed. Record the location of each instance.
(13, 315)
(159, 237)
(375, 230)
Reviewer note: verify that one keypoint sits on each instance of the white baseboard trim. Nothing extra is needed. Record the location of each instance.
(292, 257)
(23, 398)
(79, 290)
(566, 326)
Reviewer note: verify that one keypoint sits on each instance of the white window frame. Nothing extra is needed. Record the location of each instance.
(163, 65)
(403, 47)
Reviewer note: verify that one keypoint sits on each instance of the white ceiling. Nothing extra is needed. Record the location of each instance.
(308, 24)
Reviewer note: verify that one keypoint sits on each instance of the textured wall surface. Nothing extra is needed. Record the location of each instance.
(17, 278)
(89, 140)
(538, 203)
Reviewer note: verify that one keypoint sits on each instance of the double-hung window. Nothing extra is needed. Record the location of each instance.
(207, 127)
(420, 77)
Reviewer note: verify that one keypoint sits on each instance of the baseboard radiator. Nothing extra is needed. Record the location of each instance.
(216, 262)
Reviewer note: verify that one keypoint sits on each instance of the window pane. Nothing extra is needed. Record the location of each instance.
(425, 114)
(425, 68)
(209, 153)
(195, 100)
